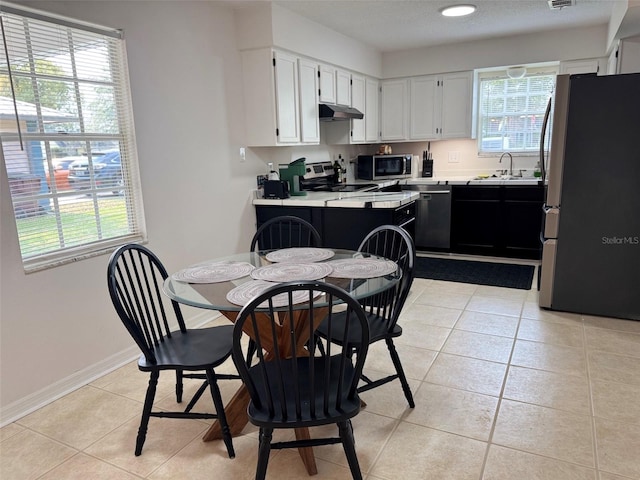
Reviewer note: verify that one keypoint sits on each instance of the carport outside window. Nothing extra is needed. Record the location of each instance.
(67, 137)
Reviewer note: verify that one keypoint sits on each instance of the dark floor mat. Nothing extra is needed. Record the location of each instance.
(480, 273)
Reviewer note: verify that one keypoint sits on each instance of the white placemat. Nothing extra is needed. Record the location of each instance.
(289, 272)
(242, 294)
(214, 272)
(362, 267)
(300, 255)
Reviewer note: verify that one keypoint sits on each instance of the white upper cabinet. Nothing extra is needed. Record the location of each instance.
(425, 107)
(281, 100)
(287, 108)
(335, 85)
(309, 119)
(343, 88)
(327, 84)
(441, 106)
(394, 102)
(372, 110)
(429, 107)
(358, 101)
(457, 94)
(365, 98)
(626, 56)
(283, 90)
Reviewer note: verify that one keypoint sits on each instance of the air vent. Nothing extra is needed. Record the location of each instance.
(559, 4)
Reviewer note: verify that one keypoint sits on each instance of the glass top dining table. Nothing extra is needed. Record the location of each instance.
(214, 296)
(361, 282)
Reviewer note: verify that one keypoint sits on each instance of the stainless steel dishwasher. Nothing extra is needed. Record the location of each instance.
(433, 216)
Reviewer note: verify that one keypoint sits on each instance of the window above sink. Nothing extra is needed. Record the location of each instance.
(510, 111)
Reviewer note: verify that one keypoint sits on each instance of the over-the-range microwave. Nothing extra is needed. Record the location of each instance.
(380, 167)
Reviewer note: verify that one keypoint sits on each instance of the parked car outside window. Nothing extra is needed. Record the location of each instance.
(107, 172)
(60, 172)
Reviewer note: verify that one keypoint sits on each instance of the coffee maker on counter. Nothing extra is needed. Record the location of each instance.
(292, 173)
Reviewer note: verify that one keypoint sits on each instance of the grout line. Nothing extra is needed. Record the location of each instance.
(500, 398)
(594, 444)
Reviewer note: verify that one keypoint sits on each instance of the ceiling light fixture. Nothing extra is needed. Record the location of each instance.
(458, 10)
(516, 72)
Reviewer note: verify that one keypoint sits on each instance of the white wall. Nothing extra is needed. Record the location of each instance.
(316, 41)
(555, 45)
(58, 326)
(267, 25)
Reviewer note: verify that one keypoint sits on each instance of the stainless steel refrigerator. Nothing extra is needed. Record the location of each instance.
(591, 231)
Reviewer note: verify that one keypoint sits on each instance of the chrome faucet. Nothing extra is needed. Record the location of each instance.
(510, 162)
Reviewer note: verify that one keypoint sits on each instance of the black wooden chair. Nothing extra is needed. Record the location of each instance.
(299, 387)
(382, 310)
(135, 276)
(285, 232)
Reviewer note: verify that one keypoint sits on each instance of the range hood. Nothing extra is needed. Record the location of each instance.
(330, 113)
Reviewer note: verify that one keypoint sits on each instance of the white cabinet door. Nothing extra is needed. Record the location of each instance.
(629, 55)
(612, 61)
(327, 84)
(309, 119)
(358, 102)
(456, 105)
(286, 81)
(372, 110)
(393, 110)
(259, 94)
(343, 88)
(425, 103)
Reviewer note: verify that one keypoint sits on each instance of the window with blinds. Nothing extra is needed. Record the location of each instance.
(66, 127)
(511, 110)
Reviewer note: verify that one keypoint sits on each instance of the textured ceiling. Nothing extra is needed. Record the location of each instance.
(390, 25)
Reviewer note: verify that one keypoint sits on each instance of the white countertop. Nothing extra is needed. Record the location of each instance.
(374, 199)
(344, 200)
(471, 181)
(383, 199)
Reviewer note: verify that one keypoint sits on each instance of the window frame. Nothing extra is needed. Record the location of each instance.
(500, 73)
(124, 138)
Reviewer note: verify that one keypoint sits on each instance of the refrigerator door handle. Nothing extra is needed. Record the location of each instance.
(558, 137)
(543, 132)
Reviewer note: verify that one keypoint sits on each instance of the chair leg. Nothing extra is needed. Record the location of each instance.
(348, 444)
(264, 449)
(146, 411)
(395, 358)
(222, 418)
(179, 386)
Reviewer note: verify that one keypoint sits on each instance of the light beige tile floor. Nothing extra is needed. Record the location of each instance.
(503, 390)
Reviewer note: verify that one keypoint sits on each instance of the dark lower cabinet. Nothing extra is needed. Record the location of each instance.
(347, 227)
(344, 227)
(497, 220)
(475, 219)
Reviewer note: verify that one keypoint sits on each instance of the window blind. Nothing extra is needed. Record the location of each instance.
(68, 142)
(511, 110)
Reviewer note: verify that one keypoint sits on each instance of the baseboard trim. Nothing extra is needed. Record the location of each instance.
(59, 389)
